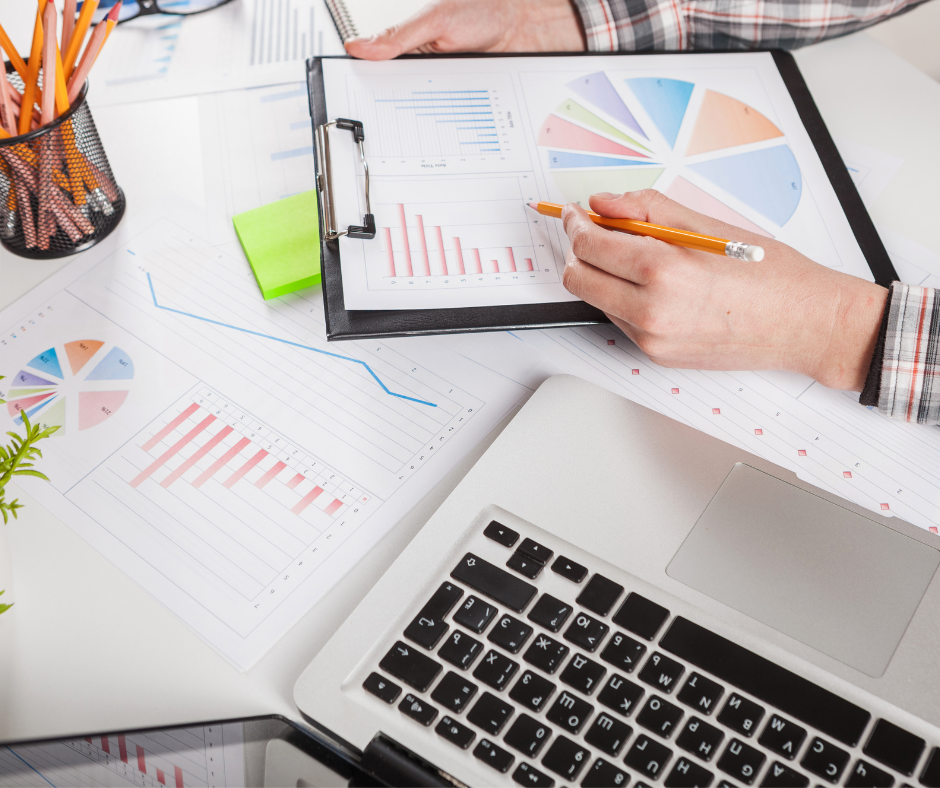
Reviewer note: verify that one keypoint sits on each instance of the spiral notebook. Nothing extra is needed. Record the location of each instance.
(356, 18)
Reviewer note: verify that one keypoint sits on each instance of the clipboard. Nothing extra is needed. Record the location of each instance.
(343, 323)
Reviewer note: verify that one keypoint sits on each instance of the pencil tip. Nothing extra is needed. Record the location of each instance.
(113, 13)
(534, 206)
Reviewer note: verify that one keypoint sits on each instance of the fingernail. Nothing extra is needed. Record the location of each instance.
(607, 195)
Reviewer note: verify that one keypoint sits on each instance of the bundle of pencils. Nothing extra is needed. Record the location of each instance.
(51, 183)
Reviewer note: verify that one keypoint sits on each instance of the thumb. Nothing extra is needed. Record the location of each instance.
(418, 31)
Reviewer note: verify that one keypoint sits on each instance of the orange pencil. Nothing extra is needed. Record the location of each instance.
(14, 56)
(78, 36)
(702, 243)
(61, 92)
(7, 115)
(32, 76)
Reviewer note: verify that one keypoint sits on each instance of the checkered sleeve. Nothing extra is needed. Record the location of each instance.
(635, 25)
(909, 388)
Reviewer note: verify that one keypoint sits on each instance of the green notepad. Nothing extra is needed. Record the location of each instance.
(282, 242)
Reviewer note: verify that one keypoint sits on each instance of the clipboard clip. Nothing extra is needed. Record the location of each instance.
(325, 180)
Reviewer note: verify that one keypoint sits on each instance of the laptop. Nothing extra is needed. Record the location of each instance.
(611, 598)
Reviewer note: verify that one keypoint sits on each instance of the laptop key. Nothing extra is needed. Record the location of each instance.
(381, 687)
(865, 775)
(460, 649)
(566, 758)
(661, 672)
(782, 736)
(894, 747)
(599, 595)
(406, 663)
(583, 674)
(524, 565)
(451, 730)
(825, 760)
(659, 716)
(701, 694)
(569, 712)
(532, 691)
(493, 756)
(568, 569)
(417, 709)
(546, 654)
(474, 614)
(700, 738)
(741, 761)
(536, 551)
(550, 613)
(454, 692)
(500, 533)
(741, 715)
(623, 652)
(495, 670)
(532, 777)
(494, 582)
(607, 734)
(930, 776)
(428, 626)
(686, 774)
(648, 757)
(792, 694)
(510, 634)
(640, 616)
(527, 735)
(604, 774)
(780, 776)
(490, 713)
(620, 694)
(586, 631)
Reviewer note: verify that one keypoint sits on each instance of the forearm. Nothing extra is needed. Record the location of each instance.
(636, 25)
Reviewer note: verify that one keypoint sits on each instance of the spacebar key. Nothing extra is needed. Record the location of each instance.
(496, 583)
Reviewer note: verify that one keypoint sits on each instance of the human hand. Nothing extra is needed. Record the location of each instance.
(478, 26)
(697, 310)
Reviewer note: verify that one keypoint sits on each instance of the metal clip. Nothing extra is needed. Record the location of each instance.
(325, 180)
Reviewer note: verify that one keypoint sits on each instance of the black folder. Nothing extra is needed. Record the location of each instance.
(342, 323)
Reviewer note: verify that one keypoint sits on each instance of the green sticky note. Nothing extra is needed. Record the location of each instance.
(282, 242)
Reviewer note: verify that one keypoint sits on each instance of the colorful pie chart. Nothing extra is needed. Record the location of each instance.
(709, 151)
(74, 386)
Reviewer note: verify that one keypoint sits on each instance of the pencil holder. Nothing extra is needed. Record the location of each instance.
(57, 193)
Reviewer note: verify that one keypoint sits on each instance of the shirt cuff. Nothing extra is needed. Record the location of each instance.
(910, 361)
(632, 25)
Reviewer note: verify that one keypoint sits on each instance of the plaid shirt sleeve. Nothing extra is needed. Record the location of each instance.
(904, 381)
(633, 25)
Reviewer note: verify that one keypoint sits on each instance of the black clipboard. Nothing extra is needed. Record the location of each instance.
(342, 323)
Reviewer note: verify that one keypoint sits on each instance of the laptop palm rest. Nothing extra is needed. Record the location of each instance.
(832, 579)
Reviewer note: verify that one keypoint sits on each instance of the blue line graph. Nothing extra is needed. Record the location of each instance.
(15, 755)
(368, 369)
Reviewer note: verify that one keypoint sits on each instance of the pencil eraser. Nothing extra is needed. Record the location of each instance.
(282, 243)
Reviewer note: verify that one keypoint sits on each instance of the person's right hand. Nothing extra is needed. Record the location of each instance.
(478, 26)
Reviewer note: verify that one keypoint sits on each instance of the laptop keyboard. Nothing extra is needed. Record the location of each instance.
(550, 672)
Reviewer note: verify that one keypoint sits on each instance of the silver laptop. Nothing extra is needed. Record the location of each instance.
(611, 598)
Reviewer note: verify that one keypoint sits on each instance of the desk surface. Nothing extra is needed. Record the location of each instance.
(87, 649)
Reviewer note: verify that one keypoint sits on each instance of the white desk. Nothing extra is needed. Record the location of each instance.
(87, 649)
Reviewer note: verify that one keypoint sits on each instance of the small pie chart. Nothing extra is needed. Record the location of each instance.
(74, 386)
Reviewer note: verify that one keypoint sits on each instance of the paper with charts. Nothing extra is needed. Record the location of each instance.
(457, 149)
(213, 445)
(207, 755)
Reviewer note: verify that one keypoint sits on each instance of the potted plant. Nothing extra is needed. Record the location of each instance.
(16, 459)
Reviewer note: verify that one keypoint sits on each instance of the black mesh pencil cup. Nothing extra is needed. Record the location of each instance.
(57, 192)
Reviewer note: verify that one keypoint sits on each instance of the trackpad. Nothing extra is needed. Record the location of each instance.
(832, 579)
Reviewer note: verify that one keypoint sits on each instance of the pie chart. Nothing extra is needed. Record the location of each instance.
(704, 149)
(74, 386)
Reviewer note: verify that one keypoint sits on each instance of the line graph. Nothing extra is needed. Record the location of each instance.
(368, 369)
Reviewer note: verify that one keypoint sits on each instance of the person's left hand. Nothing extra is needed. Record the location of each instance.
(697, 310)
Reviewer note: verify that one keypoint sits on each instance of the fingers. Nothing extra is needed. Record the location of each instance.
(649, 205)
(629, 257)
(415, 33)
(599, 288)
